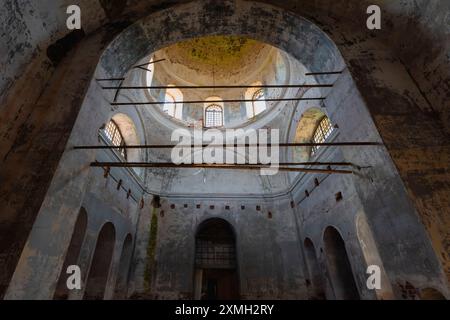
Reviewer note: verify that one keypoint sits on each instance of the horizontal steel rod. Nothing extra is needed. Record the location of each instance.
(306, 74)
(322, 73)
(168, 146)
(210, 101)
(110, 79)
(338, 164)
(148, 63)
(221, 87)
(211, 166)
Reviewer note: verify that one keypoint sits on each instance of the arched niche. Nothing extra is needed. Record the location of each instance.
(120, 291)
(339, 267)
(101, 263)
(315, 274)
(79, 231)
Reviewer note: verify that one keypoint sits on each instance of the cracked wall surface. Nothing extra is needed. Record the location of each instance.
(400, 76)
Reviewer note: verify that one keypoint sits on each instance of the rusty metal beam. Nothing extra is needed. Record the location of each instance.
(169, 146)
(117, 91)
(212, 166)
(110, 79)
(150, 103)
(268, 86)
(322, 73)
(148, 63)
(338, 164)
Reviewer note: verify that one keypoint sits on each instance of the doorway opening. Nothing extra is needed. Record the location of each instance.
(216, 276)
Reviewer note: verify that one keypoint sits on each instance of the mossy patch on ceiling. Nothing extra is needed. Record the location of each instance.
(221, 51)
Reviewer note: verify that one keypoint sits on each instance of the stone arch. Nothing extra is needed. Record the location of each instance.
(305, 46)
(371, 255)
(339, 267)
(124, 266)
(129, 133)
(79, 231)
(304, 132)
(23, 234)
(315, 274)
(101, 263)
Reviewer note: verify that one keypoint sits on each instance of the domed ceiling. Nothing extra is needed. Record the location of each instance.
(219, 60)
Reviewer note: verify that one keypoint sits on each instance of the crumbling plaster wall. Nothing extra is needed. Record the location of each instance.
(374, 191)
(270, 264)
(36, 87)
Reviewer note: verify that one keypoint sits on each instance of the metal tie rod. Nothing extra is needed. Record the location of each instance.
(169, 146)
(322, 73)
(148, 63)
(268, 86)
(344, 164)
(210, 101)
(212, 166)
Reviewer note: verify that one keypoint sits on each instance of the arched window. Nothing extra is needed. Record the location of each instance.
(114, 135)
(169, 106)
(256, 105)
(213, 116)
(172, 107)
(322, 132)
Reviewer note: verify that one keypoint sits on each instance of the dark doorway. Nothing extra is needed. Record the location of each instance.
(216, 276)
(339, 267)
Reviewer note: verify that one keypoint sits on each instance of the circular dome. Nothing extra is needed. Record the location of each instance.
(218, 60)
(215, 62)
